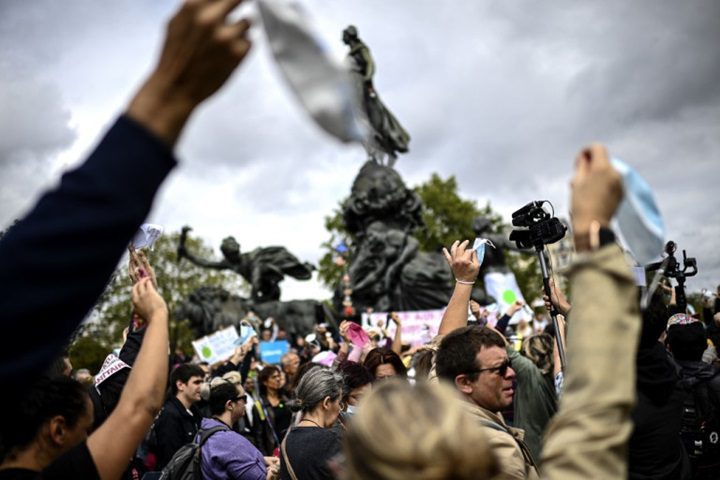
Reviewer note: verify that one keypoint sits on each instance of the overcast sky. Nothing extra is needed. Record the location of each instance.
(500, 94)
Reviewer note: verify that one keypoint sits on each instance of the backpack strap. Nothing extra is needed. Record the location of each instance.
(205, 434)
(286, 458)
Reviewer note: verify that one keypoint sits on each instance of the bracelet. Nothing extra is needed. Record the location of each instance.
(463, 282)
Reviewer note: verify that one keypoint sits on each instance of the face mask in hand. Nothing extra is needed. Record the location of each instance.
(321, 83)
(638, 218)
(479, 247)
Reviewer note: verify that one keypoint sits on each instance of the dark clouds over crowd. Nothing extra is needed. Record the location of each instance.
(499, 94)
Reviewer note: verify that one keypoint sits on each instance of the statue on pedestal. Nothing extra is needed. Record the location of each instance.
(389, 137)
(388, 271)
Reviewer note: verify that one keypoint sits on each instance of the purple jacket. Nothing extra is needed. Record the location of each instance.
(227, 454)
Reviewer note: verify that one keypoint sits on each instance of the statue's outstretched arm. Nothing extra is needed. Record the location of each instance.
(183, 252)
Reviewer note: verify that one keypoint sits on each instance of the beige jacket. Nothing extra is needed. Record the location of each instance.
(507, 444)
(588, 437)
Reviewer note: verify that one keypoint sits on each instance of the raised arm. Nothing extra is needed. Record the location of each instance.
(588, 437)
(55, 263)
(465, 267)
(113, 444)
(397, 341)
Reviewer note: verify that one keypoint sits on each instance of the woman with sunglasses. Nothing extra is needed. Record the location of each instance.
(312, 443)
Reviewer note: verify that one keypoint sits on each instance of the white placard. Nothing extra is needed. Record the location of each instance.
(217, 346)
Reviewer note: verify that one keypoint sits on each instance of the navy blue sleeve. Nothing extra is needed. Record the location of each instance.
(502, 323)
(55, 262)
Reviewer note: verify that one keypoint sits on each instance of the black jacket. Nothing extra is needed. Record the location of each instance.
(656, 451)
(174, 428)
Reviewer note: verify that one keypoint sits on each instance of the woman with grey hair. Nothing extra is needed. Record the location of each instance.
(308, 447)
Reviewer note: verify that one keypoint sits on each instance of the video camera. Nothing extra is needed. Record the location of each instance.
(671, 269)
(537, 226)
(673, 266)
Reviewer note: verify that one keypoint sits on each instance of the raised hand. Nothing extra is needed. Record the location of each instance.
(202, 48)
(596, 189)
(463, 261)
(147, 302)
(557, 298)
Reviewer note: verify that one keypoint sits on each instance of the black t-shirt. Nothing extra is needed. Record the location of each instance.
(309, 450)
(76, 463)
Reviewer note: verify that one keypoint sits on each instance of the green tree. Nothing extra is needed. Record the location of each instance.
(176, 280)
(447, 217)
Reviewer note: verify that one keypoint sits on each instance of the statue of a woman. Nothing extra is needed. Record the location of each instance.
(390, 136)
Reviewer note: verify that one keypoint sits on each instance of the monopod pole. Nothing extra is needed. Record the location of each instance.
(553, 311)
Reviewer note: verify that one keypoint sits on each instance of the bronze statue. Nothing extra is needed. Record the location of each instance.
(389, 136)
(264, 268)
(387, 271)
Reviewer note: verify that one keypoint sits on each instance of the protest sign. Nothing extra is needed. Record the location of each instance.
(504, 288)
(418, 327)
(272, 352)
(218, 346)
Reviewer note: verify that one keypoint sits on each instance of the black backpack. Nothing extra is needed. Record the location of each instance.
(700, 431)
(185, 464)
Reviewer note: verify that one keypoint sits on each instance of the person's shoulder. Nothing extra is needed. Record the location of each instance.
(19, 474)
(75, 463)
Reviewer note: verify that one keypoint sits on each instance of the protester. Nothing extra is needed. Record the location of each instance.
(309, 446)
(700, 383)
(535, 401)
(384, 363)
(357, 382)
(290, 364)
(655, 450)
(226, 454)
(271, 413)
(180, 418)
(47, 432)
(475, 361)
(424, 435)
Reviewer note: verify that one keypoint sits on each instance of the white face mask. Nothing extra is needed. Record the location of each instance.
(639, 221)
(479, 247)
(321, 83)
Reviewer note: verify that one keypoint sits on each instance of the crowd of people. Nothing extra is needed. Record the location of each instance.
(638, 396)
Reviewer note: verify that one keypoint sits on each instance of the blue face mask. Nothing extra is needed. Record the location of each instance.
(479, 247)
(639, 221)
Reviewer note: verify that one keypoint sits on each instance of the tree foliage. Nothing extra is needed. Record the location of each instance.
(176, 280)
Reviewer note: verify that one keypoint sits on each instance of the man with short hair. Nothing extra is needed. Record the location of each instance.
(290, 365)
(226, 453)
(180, 418)
(475, 361)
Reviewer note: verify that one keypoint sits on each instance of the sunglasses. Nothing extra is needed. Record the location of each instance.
(242, 397)
(500, 369)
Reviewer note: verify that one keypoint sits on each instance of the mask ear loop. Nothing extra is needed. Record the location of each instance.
(653, 285)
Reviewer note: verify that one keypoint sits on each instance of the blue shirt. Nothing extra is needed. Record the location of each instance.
(227, 454)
